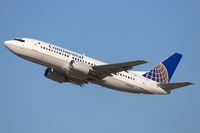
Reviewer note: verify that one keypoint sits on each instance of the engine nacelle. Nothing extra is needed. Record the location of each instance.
(55, 75)
(78, 68)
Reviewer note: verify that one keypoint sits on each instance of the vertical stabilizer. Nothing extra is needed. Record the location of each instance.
(164, 71)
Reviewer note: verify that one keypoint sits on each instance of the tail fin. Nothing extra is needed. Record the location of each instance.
(163, 72)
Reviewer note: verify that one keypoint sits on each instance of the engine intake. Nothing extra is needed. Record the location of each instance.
(55, 75)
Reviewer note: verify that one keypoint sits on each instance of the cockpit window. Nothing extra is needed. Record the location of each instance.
(18, 39)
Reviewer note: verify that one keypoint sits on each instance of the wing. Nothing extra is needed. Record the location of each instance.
(106, 70)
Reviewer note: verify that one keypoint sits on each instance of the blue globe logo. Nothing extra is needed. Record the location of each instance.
(158, 74)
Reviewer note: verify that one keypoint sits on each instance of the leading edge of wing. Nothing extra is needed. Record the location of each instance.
(108, 69)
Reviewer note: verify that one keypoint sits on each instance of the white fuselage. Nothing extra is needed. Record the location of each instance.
(52, 56)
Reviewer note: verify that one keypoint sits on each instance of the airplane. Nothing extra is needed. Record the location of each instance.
(64, 65)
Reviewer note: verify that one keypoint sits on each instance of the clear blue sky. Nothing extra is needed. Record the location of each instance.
(112, 31)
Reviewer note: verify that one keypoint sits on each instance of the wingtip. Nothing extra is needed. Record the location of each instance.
(190, 83)
(143, 61)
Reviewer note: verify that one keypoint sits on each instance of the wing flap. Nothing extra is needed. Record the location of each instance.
(171, 86)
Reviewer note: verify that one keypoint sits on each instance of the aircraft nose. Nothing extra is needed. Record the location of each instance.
(10, 45)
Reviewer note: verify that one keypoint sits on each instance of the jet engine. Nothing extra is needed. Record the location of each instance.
(79, 69)
(55, 75)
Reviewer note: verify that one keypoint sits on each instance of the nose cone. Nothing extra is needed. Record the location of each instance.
(8, 44)
(11, 45)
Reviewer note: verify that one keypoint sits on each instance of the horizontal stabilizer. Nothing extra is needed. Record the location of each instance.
(171, 86)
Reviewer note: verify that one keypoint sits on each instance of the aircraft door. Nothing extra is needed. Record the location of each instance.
(35, 45)
(22, 46)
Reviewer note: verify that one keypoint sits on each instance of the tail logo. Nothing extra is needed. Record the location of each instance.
(158, 74)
